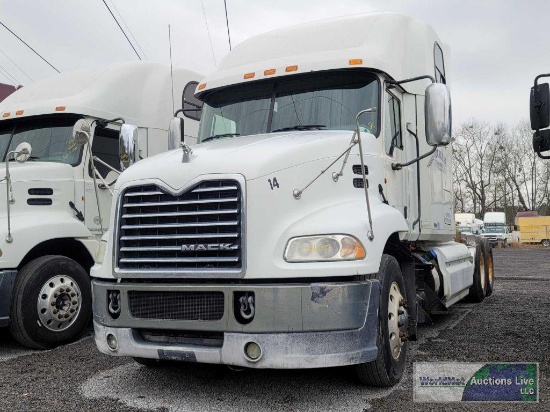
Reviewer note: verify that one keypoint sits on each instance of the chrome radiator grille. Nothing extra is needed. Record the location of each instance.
(205, 306)
(198, 230)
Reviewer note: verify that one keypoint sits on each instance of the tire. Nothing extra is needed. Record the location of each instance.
(489, 270)
(52, 302)
(545, 242)
(479, 287)
(387, 369)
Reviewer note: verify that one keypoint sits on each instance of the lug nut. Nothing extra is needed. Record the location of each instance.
(53, 303)
(55, 311)
(60, 317)
(400, 311)
(73, 295)
(61, 290)
(74, 302)
(66, 315)
(55, 295)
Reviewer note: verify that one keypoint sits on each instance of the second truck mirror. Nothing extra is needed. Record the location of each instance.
(175, 133)
(126, 145)
(539, 107)
(81, 132)
(437, 109)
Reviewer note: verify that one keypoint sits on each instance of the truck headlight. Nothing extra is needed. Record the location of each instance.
(324, 248)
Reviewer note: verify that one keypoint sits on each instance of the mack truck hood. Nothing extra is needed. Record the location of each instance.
(37, 171)
(252, 156)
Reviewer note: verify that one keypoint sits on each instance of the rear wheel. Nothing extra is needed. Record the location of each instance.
(545, 242)
(387, 369)
(489, 270)
(52, 302)
(479, 287)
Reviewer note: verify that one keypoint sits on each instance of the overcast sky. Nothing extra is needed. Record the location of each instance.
(497, 46)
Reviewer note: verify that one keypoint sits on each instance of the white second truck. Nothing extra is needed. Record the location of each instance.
(311, 226)
(495, 229)
(55, 201)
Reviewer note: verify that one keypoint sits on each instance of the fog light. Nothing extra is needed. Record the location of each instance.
(253, 351)
(111, 341)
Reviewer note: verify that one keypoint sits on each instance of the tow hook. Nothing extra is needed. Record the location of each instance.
(113, 298)
(244, 306)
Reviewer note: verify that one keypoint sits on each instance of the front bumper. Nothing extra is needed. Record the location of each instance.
(295, 325)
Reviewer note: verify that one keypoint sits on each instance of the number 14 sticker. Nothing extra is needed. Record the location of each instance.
(273, 183)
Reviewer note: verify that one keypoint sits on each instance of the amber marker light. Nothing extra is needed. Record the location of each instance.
(60, 109)
(354, 62)
(249, 75)
(269, 72)
(291, 68)
(202, 86)
(19, 112)
(6, 114)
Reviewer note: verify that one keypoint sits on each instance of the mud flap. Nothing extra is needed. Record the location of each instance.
(7, 280)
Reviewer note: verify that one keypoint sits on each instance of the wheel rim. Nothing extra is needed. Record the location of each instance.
(482, 270)
(59, 303)
(490, 271)
(397, 320)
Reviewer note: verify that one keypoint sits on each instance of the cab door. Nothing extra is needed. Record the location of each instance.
(395, 188)
(105, 146)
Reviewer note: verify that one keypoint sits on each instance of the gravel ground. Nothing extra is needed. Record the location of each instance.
(510, 326)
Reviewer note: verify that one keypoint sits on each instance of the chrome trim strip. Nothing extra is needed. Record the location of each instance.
(189, 236)
(185, 202)
(143, 194)
(182, 260)
(208, 212)
(175, 225)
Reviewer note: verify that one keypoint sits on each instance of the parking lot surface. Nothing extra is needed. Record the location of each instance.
(509, 326)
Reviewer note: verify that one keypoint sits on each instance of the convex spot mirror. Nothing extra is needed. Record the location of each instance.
(541, 141)
(23, 152)
(437, 110)
(539, 107)
(81, 132)
(126, 145)
(175, 133)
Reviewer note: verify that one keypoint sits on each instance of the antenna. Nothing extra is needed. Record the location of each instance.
(209, 37)
(227, 24)
(171, 71)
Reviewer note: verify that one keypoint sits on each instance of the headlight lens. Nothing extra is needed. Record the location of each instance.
(324, 248)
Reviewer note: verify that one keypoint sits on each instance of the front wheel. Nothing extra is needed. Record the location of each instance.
(387, 369)
(545, 242)
(52, 302)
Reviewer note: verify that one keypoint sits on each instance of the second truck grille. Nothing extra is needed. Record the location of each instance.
(198, 230)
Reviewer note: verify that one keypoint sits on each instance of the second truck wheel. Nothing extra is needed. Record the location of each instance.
(51, 302)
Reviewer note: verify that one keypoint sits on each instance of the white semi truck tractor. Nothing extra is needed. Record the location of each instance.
(312, 224)
(56, 188)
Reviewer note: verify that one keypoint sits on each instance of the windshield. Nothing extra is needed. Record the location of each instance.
(50, 137)
(494, 229)
(313, 101)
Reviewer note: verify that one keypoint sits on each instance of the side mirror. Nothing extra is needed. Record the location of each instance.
(541, 141)
(126, 145)
(438, 118)
(539, 106)
(175, 133)
(81, 132)
(23, 152)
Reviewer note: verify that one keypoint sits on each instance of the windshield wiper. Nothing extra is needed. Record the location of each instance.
(217, 136)
(300, 127)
